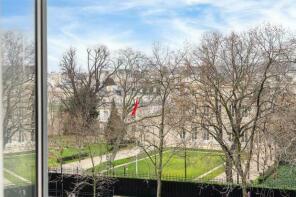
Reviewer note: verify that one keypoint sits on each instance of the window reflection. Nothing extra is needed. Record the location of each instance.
(18, 98)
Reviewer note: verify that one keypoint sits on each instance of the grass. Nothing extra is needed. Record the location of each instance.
(69, 144)
(96, 149)
(283, 178)
(214, 174)
(118, 162)
(198, 163)
(23, 165)
(14, 180)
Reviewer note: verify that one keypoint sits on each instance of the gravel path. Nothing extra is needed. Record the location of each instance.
(87, 164)
(254, 173)
(208, 172)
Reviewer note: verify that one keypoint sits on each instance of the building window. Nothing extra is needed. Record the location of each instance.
(206, 110)
(182, 134)
(118, 92)
(205, 133)
(194, 133)
(245, 111)
(151, 90)
(105, 115)
(134, 128)
(232, 109)
(195, 110)
(158, 90)
(230, 137)
(145, 90)
(219, 108)
(244, 137)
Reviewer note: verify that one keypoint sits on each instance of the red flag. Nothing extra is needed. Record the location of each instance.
(136, 105)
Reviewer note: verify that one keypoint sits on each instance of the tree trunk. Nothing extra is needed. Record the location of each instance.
(244, 191)
(228, 170)
(265, 157)
(185, 163)
(258, 158)
(159, 184)
(94, 187)
(244, 187)
(159, 172)
(160, 152)
(270, 152)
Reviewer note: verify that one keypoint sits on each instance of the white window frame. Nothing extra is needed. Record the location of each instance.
(41, 97)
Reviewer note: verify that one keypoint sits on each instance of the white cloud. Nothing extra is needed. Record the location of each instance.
(241, 15)
(167, 18)
(69, 36)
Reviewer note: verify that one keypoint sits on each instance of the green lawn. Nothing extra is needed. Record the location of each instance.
(96, 149)
(284, 178)
(70, 148)
(198, 163)
(118, 162)
(22, 165)
(214, 174)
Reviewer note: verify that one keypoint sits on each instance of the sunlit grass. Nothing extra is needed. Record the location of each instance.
(198, 163)
(22, 165)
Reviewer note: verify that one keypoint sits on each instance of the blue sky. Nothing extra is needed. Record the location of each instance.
(139, 23)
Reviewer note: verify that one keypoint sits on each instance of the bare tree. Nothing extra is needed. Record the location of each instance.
(184, 111)
(114, 132)
(18, 87)
(56, 111)
(83, 91)
(281, 127)
(236, 81)
(163, 77)
(130, 82)
(99, 182)
(94, 177)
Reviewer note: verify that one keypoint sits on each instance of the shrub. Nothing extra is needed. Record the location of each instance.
(72, 157)
(271, 170)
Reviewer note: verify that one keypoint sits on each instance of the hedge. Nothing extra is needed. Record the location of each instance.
(72, 157)
(267, 173)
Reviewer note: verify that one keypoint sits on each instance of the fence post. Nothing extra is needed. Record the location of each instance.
(62, 182)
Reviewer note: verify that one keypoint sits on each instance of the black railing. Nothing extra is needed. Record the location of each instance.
(147, 187)
(126, 174)
(288, 184)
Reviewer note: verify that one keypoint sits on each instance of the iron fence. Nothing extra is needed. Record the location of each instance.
(172, 186)
(112, 173)
(272, 184)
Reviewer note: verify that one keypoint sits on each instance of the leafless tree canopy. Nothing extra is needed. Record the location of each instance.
(236, 87)
(18, 86)
(83, 90)
(238, 79)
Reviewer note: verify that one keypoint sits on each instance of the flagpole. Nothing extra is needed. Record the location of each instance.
(137, 160)
(137, 144)
(136, 105)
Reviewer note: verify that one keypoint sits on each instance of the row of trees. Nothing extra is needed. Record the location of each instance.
(235, 86)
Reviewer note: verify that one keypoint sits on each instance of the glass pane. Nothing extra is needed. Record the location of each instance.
(18, 97)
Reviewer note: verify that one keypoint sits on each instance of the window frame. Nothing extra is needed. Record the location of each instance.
(41, 97)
